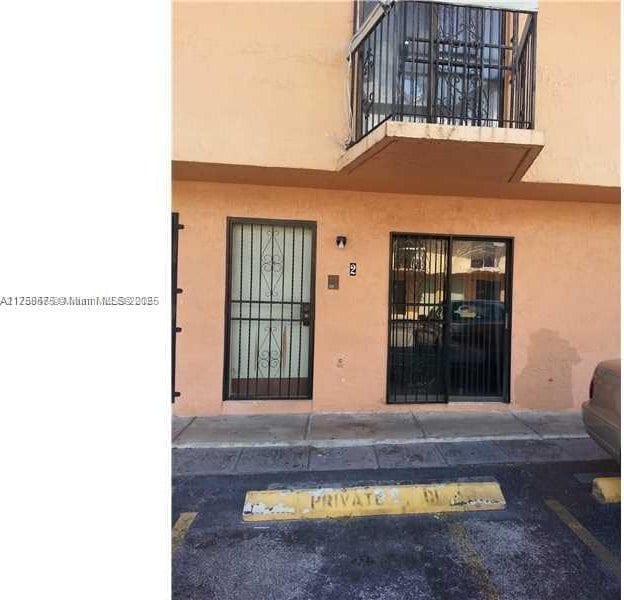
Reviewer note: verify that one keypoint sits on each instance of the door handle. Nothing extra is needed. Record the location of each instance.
(306, 314)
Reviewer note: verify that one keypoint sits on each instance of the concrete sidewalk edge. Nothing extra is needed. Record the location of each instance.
(349, 443)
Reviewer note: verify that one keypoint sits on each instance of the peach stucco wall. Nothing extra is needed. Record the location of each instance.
(265, 83)
(565, 289)
(578, 93)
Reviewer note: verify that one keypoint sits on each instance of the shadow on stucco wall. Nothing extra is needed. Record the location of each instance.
(546, 380)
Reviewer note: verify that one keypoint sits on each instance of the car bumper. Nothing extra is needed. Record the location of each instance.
(602, 431)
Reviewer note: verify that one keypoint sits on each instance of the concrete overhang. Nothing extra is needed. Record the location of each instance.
(426, 153)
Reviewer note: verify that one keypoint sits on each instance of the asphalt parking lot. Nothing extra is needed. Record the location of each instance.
(553, 540)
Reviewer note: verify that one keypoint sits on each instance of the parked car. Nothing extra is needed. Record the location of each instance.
(601, 413)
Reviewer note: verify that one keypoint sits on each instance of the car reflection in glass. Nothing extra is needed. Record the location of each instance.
(476, 334)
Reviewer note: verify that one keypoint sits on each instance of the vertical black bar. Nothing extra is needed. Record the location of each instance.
(292, 299)
(398, 64)
(481, 40)
(240, 307)
(430, 91)
(414, 57)
(364, 100)
(439, 286)
(390, 387)
(487, 339)
(381, 66)
(431, 301)
(353, 64)
(480, 337)
(394, 62)
(403, 276)
(489, 70)
(301, 308)
(502, 59)
(227, 392)
(175, 227)
(259, 310)
(464, 108)
(472, 371)
(428, 255)
(404, 358)
(359, 94)
(250, 313)
(390, 55)
(385, 57)
(282, 306)
(414, 350)
(312, 300)
(429, 264)
(270, 359)
(453, 63)
(509, 252)
(443, 362)
(533, 35)
(370, 123)
(514, 70)
(377, 75)
(423, 350)
(448, 314)
(405, 50)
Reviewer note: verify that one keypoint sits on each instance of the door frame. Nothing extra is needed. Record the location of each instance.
(230, 222)
(176, 226)
(509, 241)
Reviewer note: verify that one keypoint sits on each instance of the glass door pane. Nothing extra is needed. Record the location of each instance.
(477, 350)
(418, 284)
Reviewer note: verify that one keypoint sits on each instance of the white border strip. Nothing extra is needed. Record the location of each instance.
(523, 5)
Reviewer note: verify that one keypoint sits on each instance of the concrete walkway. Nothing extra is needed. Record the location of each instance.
(327, 430)
(338, 442)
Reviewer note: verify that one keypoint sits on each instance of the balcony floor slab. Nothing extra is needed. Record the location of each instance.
(422, 153)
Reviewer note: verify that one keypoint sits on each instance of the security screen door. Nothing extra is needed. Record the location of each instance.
(270, 309)
(449, 336)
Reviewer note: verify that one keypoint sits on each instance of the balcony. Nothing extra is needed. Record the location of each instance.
(448, 90)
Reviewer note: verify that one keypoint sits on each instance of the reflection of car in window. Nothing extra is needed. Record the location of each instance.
(475, 337)
(491, 311)
(475, 325)
(484, 310)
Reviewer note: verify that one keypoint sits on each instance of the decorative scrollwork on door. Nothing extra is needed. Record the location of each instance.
(272, 264)
(270, 350)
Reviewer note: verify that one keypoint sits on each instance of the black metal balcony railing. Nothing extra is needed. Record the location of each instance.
(425, 62)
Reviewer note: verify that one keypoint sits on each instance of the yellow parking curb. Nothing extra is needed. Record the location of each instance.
(606, 489)
(333, 503)
(185, 520)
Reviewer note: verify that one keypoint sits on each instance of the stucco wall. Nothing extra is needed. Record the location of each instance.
(265, 83)
(260, 83)
(565, 289)
(578, 93)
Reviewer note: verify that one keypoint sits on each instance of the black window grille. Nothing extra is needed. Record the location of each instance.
(482, 262)
(427, 62)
